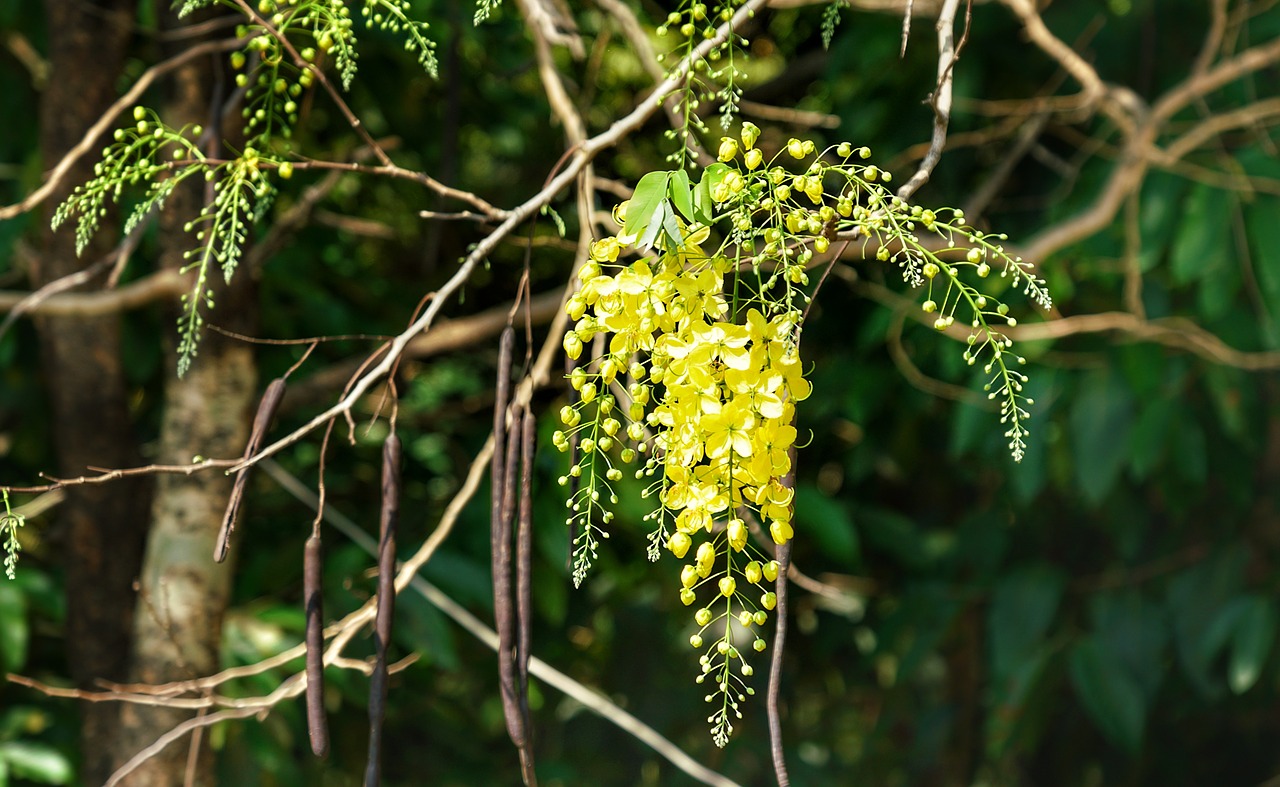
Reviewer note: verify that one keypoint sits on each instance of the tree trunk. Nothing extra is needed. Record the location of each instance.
(101, 528)
(183, 593)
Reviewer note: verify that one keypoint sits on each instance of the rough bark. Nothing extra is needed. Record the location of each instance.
(183, 594)
(100, 529)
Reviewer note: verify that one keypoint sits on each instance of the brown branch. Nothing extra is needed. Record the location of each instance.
(948, 53)
(1176, 332)
(136, 294)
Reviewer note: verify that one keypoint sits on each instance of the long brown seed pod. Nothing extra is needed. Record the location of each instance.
(524, 585)
(504, 614)
(386, 605)
(502, 399)
(505, 449)
(317, 724)
(267, 407)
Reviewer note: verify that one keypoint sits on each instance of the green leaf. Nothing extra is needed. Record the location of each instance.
(671, 227)
(1022, 608)
(1157, 217)
(648, 195)
(1150, 435)
(37, 762)
(14, 632)
(1255, 630)
(1200, 246)
(1197, 599)
(829, 523)
(1100, 422)
(1111, 697)
(1131, 629)
(1263, 228)
(649, 237)
(679, 190)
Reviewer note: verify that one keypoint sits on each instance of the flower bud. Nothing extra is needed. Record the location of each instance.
(771, 570)
(706, 559)
(728, 149)
(679, 544)
(753, 572)
(781, 531)
(769, 600)
(737, 534)
(728, 586)
(688, 576)
(753, 158)
(795, 147)
(750, 133)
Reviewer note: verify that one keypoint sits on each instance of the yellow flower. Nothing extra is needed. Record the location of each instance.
(706, 559)
(781, 531)
(737, 532)
(679, 544)
(728, 149)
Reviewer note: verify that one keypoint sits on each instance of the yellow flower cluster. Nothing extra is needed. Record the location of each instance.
(694, 372)
(704, 384)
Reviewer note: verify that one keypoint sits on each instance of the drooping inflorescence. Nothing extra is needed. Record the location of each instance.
(696, 372)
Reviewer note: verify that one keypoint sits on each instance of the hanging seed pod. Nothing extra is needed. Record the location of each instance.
(317, 724)
(504, 613)
(524, 589)
(267, 407)
(386, 605)
(502, 398)
(506, 451)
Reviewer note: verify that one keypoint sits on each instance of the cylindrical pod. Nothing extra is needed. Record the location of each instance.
(317, 724)
(267, 407)
(386, 605)
(524, 561)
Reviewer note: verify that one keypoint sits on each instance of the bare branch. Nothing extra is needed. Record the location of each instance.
(941, 100)
(136, 294)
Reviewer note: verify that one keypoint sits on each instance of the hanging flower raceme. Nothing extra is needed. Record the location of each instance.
(696, 374)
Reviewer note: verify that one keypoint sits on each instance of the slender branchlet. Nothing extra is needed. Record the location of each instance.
(317, 724)
(569, 365)
(386, 605)
(783, 555)
(267, 407)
